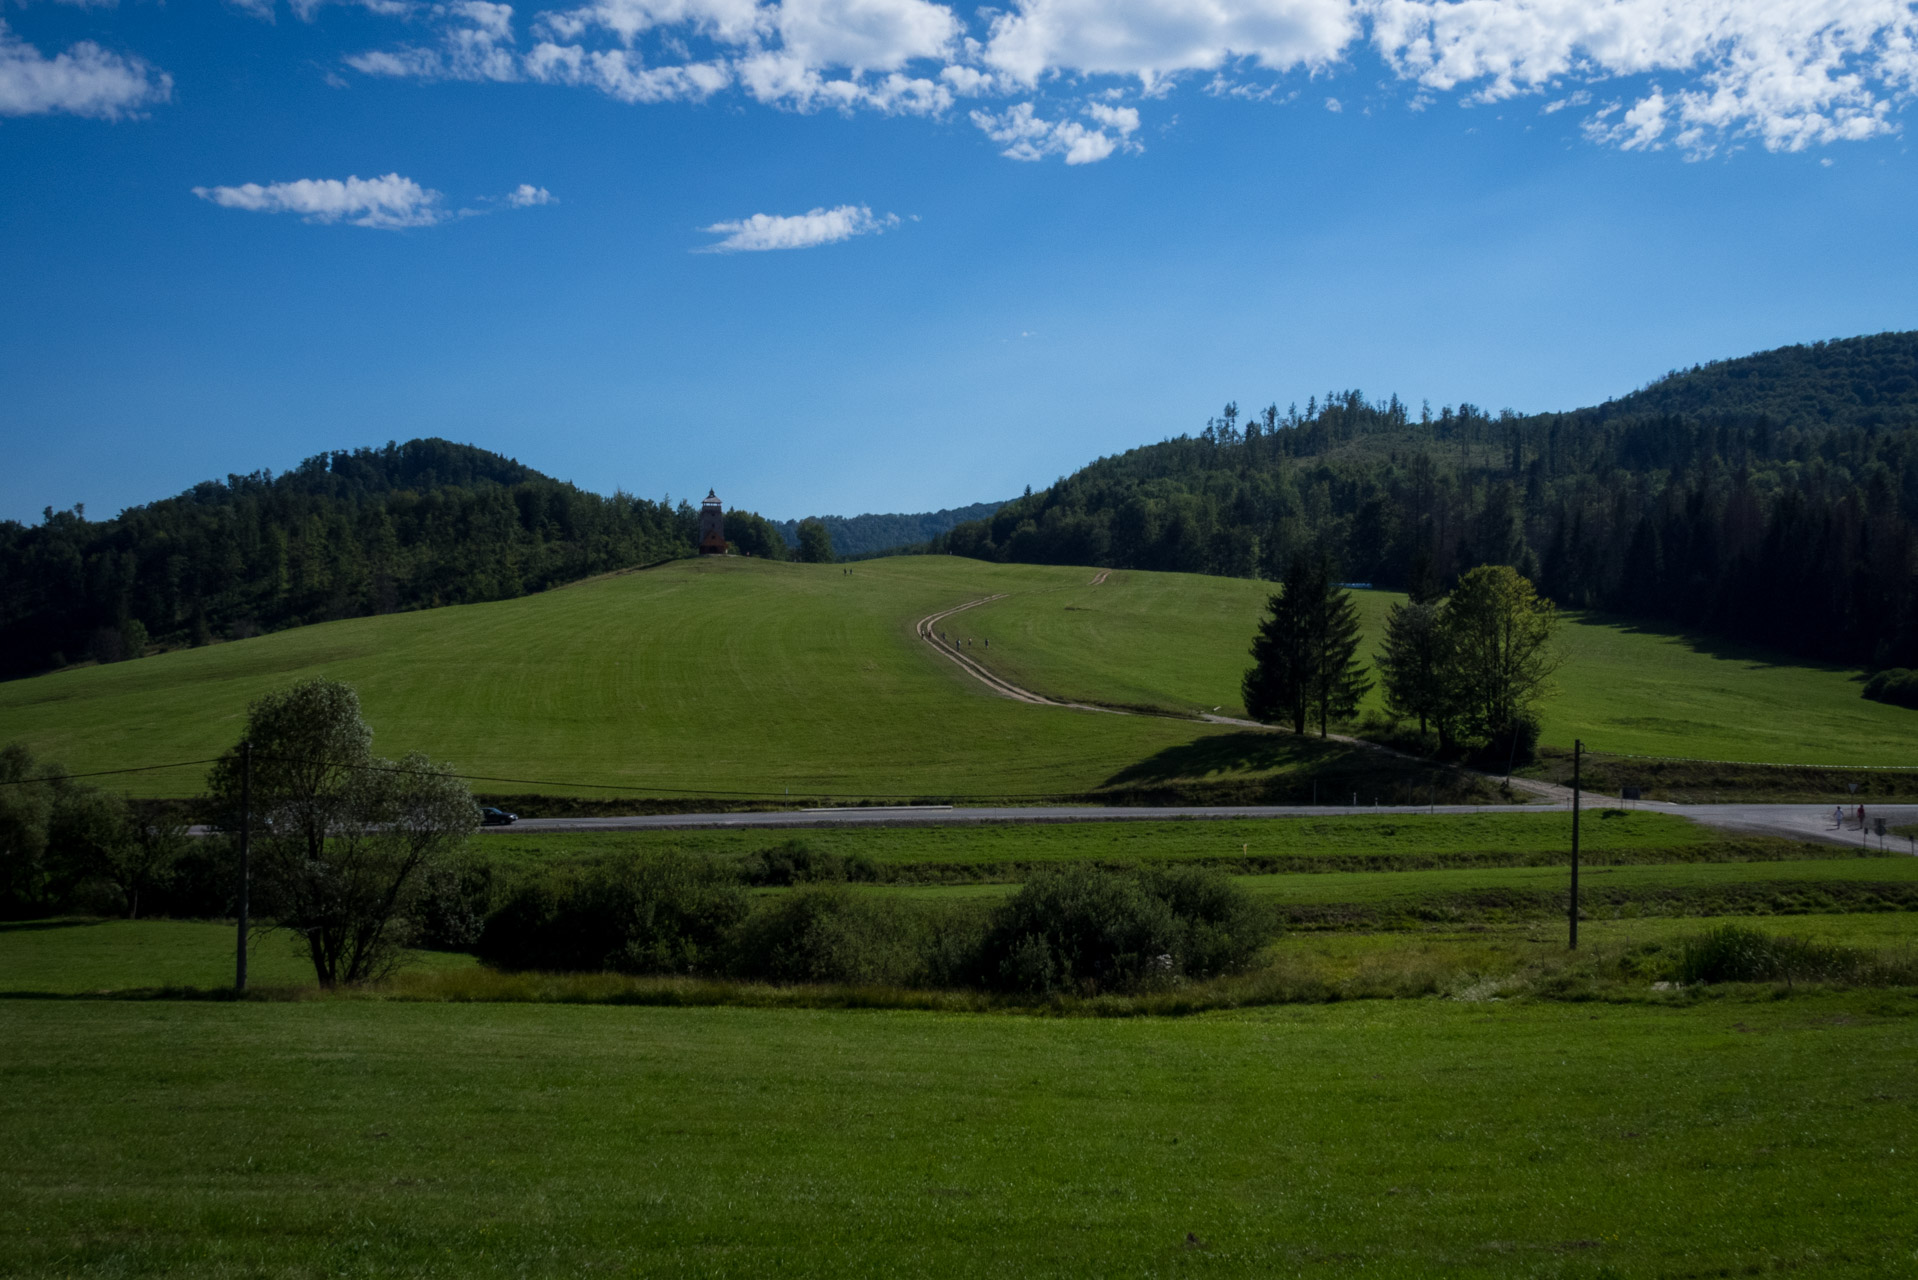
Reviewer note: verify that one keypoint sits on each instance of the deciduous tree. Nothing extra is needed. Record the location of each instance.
(344, 838)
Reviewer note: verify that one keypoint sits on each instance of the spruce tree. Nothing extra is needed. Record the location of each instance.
(1304, 656)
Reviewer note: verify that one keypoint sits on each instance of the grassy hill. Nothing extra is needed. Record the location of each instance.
(742, 679)
(1178, 642)
(731, 677)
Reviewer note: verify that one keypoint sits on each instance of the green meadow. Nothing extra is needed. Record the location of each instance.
(1178, 643)
(729, 677)
(742, 680)
(1737, 1136)
(1390, 841)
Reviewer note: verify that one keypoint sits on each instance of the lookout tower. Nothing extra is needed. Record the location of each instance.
(712, 526)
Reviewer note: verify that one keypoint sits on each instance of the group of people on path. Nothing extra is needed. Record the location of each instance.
(1838, 817)
(962, 644)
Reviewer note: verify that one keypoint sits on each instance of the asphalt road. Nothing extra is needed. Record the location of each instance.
(1793, 821)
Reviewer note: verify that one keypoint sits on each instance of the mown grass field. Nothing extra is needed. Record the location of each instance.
(1178, 642)
(719, 676)
(1380, 840)
(1378, 1137)
(741, 680)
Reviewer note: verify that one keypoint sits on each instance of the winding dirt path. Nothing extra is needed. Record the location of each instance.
(928, 629)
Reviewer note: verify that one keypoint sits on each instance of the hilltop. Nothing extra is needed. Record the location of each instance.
(1704, 500)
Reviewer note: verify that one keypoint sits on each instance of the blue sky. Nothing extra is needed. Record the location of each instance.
(882, 255)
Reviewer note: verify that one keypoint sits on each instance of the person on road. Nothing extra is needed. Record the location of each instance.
(1861, 817)
(1837, 816)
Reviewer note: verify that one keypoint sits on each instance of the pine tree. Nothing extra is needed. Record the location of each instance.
(1304, 656)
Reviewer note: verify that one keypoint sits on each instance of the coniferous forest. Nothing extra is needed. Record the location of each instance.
(1772, 500)
(405, 526)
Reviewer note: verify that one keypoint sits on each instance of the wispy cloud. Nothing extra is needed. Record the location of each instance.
(388, 202)
(86, 80)
(765, 231)
(1024, 135)
(391, 202)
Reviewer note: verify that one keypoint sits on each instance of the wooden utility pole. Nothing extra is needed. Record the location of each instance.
(246, 870)
(1578, 750)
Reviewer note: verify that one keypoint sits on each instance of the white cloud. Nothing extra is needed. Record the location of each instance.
(476, 43)
(1788, 74)
(526, 195)
(1155, 38)
(866, 35)
(86, 80)
(387, 202)
(1024, 135)
(798, 231)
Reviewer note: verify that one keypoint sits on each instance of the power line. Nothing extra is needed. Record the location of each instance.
(104, 773)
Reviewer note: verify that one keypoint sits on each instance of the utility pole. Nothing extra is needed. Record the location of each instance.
(1578, 750)
(246, 870)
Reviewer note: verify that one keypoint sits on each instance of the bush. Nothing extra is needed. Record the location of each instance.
(662, 913)
(1896, 685)
(1084, 931)
(1735, 953)
(796, 862)
(826, 933)
(456, 897)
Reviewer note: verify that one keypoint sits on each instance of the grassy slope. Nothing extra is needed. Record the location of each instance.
(1178, 642)
(714, 674)
(71, 956)
(1467, 834)
(751, 677)
(1397, 1137)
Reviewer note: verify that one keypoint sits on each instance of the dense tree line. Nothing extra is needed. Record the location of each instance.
(868, 535)
(1772, 499)
(406, 526)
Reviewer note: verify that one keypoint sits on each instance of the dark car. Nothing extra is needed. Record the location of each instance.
(491, 817)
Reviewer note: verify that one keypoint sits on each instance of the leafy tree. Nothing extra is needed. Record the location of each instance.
(1499, 634)
(815, 543)
(344, 839)
(1414, 665)
(1305, 654)
(26, 808)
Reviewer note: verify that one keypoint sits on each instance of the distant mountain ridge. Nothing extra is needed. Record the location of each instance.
(1703, 499)
(866, 535)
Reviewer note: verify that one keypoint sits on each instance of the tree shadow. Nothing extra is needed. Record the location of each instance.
(1239, 753)
(1708, 644)
(34, 926)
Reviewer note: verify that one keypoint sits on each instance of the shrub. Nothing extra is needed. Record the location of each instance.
(796, 862)
(1221, 927)
(662, 913)
(1735, 953)
(1896, 685)
(826, 933)
(456, 897)
(1083, 930)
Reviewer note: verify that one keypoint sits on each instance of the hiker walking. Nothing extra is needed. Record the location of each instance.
(1837, 816)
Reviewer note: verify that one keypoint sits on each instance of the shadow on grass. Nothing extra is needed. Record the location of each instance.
(1245, 753)
(34, 926)
(1704, 642)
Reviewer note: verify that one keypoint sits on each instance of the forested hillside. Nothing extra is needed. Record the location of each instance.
(1772, 499)
(406, 526)
(869, 534)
